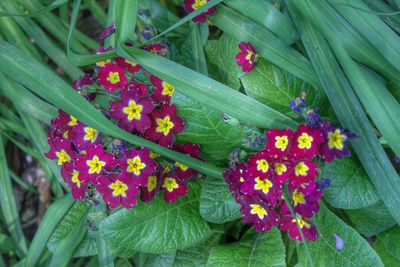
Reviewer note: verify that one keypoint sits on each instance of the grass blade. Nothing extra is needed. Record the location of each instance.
(125, 19)
(106, 258)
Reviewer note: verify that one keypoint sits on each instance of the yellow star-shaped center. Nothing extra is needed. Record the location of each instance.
(133, 110)
(119, 188)
(170, 184)
(259, 210)
(135, 165)
(164, 125)
(95, 165)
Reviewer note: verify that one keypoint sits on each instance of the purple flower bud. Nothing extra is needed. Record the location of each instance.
(339, 242)
(297, 104)
(324, 183)
(109, 30)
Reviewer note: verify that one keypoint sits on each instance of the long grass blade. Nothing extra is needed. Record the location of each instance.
(125, 19)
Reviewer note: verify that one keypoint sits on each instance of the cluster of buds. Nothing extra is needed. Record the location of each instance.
(94, 162)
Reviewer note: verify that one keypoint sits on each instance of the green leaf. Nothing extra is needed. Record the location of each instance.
(52, 217)
(365, 219)
(356, 251)
(203, 125)
(254, 249)
(275, 87)
(350, 186)
(157, 227)
(391, 241)
(217, 204)
(385, 256)
(221, 58)
(125, 19)
(106, 258)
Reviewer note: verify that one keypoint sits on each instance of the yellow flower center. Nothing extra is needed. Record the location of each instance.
(73, 121)
(301, 223)
(113, 77)
(280, 168)
(262, 165)
(167, 89)
(90, 134)
(183, 167)
(199, 3)
(170, 184)
(305, 141)
(103, 63)
(257, 209)
(298, 197)
(164, 125)
(95, 165)
(152, 183)
(301, 169)
(119, 188)
(263, 185)
(135, 165)
(133, 110)
(249, 55)
(242, 179)
(62, 157)
(281, 142)
(66, 134)
(130, 62)
(336, 139)
(75, 178)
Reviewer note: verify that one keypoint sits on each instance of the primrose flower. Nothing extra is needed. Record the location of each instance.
(112, 77)
(334, 145)
(192, 5)
(259, 165)
(83, 136)
(94, 162)
(305, 199)
(279, 143)
(306, 142)
(165, 124)
(118, 189)
(302, 171)
(83, 80)
(247, 57)
(163, 90)
(75, 181)
(157, 49)
(61, 125)
(128, 64)
(151, 187)
(258, 213)
(108, 31)
(61, 150)
(137, 164)
(234, 177)
(140, 88)
(132, 111)
(173, 187)
(289, 224)
(193, 150)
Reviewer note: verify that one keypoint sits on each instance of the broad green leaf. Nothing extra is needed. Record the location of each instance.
(157, 227)
(275, 87)
(387, 259)
(204, 126)
(254, 249)
(356, 251)
(391, 241)
(221, 58)
(371, 220)
(67, 224)
(350, 186)
(217, 204)
(155, 260)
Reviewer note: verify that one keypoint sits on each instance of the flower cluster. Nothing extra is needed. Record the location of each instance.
(285, 172)
(94, 162)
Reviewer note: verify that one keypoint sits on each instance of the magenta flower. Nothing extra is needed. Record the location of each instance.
(127, 64)
(234, 177)
(140, 88)
(334, 145)
(61, 150)
(108, 31)
(281, 172)
(94, 163)
(193, 150)
(306, 142)
(247, 57)
(259, 165)
(163, 90)
(289, 224)
(157, 48)
(83, 136)
(61, 125)
(279, 142)
(151, 187)
(173, 187)
(137, 165)
(118, 189)
(256, 212)
(165, 124)
(305, 199)
(132, 112)
(75, 181)
(192, 5)
(112, 77)
(303, 171)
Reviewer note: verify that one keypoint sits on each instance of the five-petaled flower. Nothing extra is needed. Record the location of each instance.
(61, 150)
(291, 224)
(94, 162)
(247, 57)
(151, 187)
(138, 165)
(163, 91)
(192, 5)
(165, 124)
(128, 64)
(112, 77)
(132, 112)
(173, 187)
(118, 189)
(305, 142)
(183, 171)
(75, 181)
(83, 136)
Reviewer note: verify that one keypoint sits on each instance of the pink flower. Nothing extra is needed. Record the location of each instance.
(192, 5)
(128, 64)
(193, 150)
(112, 77)
(163, 90)
(82, 136)
(306, 142)
(132, 111)
(75, 181)
(173, 187)
(61, 150)
(289, 224)
(151, 187)
(247, 57)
